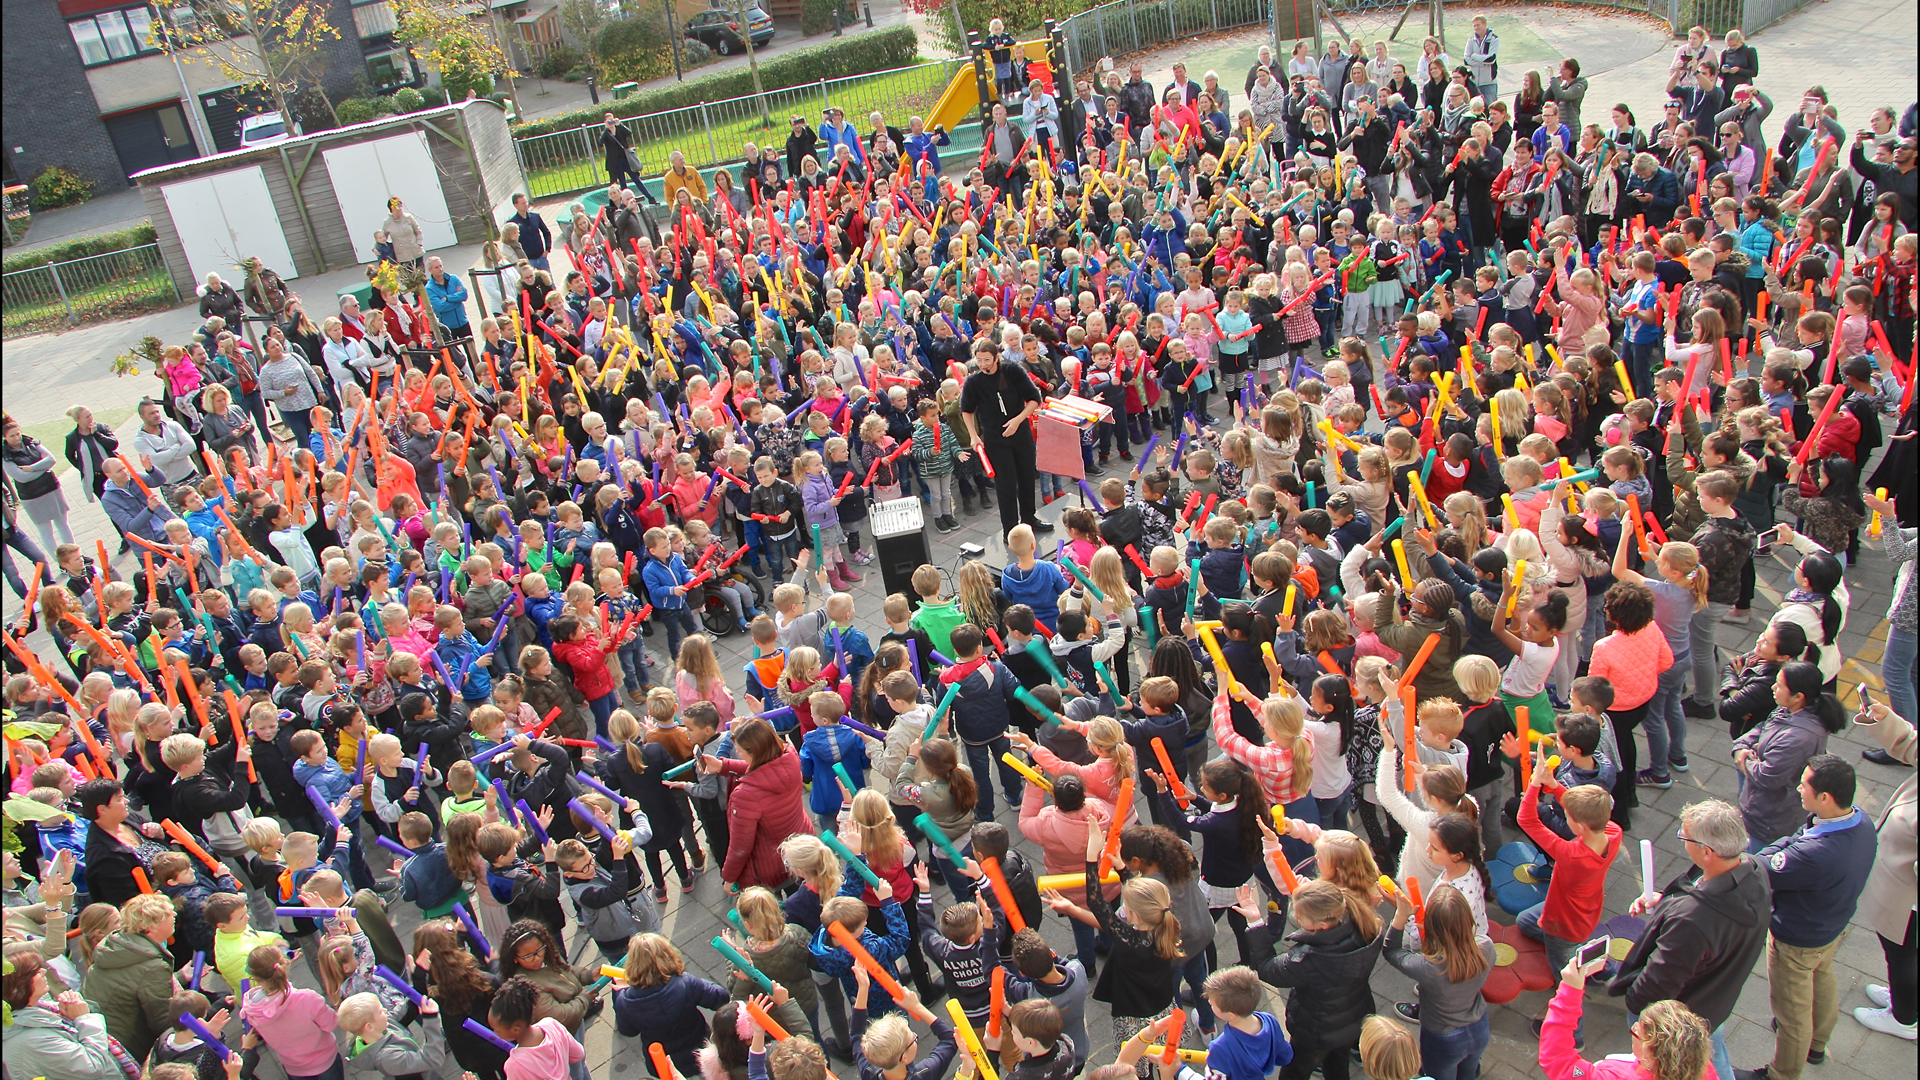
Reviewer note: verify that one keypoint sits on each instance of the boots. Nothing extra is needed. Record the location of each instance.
(986, 498)
(966, 503)
(844, 574)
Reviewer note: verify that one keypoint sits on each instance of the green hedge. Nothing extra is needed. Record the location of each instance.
(868, 51)
(816, 16)
(81, 247)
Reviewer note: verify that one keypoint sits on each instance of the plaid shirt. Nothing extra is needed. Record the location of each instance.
(1271, 765)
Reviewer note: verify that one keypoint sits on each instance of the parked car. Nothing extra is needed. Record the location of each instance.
(720, 30)
(265, 130)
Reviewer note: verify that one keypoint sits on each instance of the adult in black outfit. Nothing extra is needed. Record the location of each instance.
(996, 402)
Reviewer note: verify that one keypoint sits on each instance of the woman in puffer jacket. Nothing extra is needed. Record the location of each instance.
(1328, 965)
(765, 807)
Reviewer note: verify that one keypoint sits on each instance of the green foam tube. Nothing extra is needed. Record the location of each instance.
(847, 856)
(1113, 685)
(953, 694)
(1025, 697)
(745, 965)
(1042, 654)
(1081, 576)
(938, 835)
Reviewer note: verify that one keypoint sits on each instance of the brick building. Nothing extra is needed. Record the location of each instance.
(81, 85)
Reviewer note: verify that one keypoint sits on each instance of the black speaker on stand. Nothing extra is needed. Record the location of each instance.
(900, 543)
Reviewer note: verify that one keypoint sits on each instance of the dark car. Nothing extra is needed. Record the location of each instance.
(720, 30)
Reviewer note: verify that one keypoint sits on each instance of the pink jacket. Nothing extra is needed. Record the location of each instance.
(687, 493)
(1062, 836)
(721, 697)
(1101, 777)
(550, 1058)
(298, 1026)
(1562, 1062)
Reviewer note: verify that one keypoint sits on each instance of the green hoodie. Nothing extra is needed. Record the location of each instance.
(129, 982)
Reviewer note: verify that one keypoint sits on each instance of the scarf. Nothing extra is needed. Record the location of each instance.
(1805, 596)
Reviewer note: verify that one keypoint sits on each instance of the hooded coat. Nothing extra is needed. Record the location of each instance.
(1701, 941)
(1328, 972)
(129, 982)
(41, 1042)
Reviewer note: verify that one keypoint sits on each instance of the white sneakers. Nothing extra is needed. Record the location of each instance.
(1881, 1019)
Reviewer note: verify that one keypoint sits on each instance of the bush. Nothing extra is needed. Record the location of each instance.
(407, 99)
(816, 16)
(58, 185)
(81, 247)
(1024, 18)
(559, 61)
(354, 111)
(872, 50)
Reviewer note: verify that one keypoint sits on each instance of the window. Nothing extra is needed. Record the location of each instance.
(113, 35)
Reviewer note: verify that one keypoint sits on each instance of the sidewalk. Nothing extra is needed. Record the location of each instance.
(105, 212)
(564, 96)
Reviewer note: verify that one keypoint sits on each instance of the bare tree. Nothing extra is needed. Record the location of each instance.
(289, 43)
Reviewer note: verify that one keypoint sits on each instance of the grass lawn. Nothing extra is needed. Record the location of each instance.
(117, 299)
(52, 434)
(556, 164)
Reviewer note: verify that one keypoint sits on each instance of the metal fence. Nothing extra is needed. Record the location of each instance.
(1720, 16)
(94, 289)
(1125, 26)
(713, 133)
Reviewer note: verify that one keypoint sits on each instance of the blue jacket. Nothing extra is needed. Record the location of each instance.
(449, 300)
(476, 684)
(1757, 241)
(660, 577)
(984, 708)
(1817, 875)
(1165, 245)
(427, 880)
(542, 612)
(1236, 1055)
(127, 507)
(853, 642)
(669, 1014)
(331, 781)
(828, 956)
(847, 136)
(1038, 588)
(822, 747)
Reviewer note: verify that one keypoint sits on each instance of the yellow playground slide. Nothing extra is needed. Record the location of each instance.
(962, 96)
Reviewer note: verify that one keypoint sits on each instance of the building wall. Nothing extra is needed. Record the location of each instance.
(48, 115)
(149, 80)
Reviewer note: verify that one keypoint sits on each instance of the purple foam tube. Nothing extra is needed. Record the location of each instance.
(326, 809)
(406, 988)
(586, 814)
(486, 1033)
(473, 930)
(395, 846)
(526, 811)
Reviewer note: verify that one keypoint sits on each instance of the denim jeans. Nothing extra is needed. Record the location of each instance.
(1194, 974)
(780, 553)
(633, 663)
(981, 759)
(1896, 667)
(1455, 1055)
(1706, 654)
(1559, 950)
(1333, 812)
(1666, 725)
(679, 623)
(19, 540)
(602, 708)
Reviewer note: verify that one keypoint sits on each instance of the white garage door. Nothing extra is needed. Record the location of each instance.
(225, 218)
(366, 174)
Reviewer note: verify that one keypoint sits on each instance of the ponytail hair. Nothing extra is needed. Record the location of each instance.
(1285, 719)
(624, 729)
(1823, 574)
(1106, 736)
(1448, 784)
(1229, 778)
(1150, 900)
(1684, 558)
(1804, 679)
(942, 762)
(1459, 834)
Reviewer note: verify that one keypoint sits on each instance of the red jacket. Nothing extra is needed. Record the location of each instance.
(588, 659)
(1579, 884)
(764, 808)
(1841, 435)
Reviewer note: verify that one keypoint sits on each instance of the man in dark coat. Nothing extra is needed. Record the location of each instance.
(1705, 931)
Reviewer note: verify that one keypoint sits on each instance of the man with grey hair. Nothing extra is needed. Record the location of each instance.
(1705, 930)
